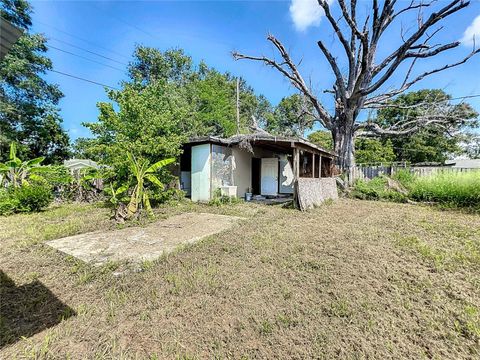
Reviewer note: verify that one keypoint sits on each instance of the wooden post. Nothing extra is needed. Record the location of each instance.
(296, 173)
(320, 167)
(313, 165)
(296, 164)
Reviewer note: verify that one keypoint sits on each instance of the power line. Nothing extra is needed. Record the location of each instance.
(89, 51)
(82, 39)
(85, 58)
(83, 79)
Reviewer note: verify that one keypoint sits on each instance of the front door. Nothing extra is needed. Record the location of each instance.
(269, 174)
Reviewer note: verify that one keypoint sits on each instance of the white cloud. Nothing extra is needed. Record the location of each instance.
(473, 31)
(306, 13)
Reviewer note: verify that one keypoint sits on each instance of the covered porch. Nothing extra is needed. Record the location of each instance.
(253, 167)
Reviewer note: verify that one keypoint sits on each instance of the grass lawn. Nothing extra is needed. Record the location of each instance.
(353, 279)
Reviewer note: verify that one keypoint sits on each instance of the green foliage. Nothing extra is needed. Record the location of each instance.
(290, 117)
(456, 189)
(376, 189)
(144, 173)
(57, 176)
(33, 198)
(322, 138)
(28, 103)
(16, 172)
(450, 189)
(26, 198)
(166, 101)
(373, 151)
(218, 199)
(8, 203)
(405, 177)
(431, 143)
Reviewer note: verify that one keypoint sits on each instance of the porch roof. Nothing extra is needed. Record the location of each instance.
(277, 142)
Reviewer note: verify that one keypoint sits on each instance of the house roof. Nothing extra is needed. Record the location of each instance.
(261, 139)
(80, 164)
(9, 34)
(464, 163)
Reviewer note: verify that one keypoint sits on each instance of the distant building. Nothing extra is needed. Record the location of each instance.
(78, 164)
(464, 163)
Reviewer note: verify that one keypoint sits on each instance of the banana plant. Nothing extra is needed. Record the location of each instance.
(114, 194)
(16, 172)
(143, 172)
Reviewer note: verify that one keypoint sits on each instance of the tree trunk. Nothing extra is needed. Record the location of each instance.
(344, 146)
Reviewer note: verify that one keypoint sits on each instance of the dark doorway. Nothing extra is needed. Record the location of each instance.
(256, 175)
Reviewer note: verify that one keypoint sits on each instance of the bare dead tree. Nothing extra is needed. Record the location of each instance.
(361, 85)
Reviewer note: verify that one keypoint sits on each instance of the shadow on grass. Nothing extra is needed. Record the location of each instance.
(27, 309)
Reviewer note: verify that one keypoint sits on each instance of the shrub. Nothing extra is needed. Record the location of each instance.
(219, 199)
(376, 189)
(8, 203)
(33, 197)
(166, 196)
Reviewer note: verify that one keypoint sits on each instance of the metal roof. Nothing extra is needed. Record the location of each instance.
(9, 34)
(259, 137)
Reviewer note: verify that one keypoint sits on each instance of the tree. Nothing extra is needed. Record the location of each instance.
(431, 143)
(150, 123)
(366, 150)
(165, 101)
(471, 146)
(28, 104)
(322, 138)
(372, 151)
(363, 85)
(291, 117)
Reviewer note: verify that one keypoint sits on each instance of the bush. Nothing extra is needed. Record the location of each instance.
(460, 189)
(8, 203)
(166, 196)
(34, 197)
(376, 189)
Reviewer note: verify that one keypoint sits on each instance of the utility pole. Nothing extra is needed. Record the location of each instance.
(238, 106)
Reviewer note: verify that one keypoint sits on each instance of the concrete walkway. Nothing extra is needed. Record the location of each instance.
(143, 243)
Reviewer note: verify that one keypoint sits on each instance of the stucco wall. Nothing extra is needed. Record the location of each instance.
(242, 170)
(314, 191)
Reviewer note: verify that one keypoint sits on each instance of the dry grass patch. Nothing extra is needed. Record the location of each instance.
(354, 279)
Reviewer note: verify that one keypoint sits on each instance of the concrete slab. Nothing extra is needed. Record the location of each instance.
(143, 243)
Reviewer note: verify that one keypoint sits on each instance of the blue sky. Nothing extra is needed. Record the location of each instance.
(210, 31)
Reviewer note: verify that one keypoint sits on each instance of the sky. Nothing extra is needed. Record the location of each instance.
(80, 31)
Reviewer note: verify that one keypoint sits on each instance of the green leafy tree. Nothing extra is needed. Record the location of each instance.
(291, 117)
(166, 101)
(372, 151)
(322, 138)
(28, 103)
(151, 123)
(430, 143)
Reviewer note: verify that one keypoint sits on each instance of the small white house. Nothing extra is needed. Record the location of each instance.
(78, 164)
(260, 164)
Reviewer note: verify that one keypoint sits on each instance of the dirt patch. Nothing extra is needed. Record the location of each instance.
(137, 244)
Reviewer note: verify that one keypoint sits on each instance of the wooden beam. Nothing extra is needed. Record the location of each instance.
(313, 164)
(320, 167)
